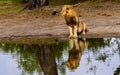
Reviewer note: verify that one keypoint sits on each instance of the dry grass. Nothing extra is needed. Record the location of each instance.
(87, 9)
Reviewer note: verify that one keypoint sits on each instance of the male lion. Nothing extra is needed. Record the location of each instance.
(75, 25)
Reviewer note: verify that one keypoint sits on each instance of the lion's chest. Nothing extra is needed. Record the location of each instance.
(71, 21)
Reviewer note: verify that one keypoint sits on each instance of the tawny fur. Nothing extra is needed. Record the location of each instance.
(75, 25)
(77, 47)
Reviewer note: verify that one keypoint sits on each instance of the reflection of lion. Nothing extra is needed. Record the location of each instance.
(74, 23)
(77, 47)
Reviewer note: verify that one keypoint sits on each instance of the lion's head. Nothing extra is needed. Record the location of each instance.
(68, 10)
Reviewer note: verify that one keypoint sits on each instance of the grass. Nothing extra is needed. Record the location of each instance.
(11, 9)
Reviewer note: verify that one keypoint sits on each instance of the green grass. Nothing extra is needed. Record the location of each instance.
(12, 7)
(13, 10)
(11, 0)
(9, 9)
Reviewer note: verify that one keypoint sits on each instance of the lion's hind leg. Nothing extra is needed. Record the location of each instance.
(82, 28)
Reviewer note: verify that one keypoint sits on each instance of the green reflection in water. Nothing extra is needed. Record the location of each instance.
(30, 57)
(26, 57)
(95, 46)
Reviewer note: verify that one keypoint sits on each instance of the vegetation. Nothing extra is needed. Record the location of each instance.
(51, 2)
(26, 57)
(28, 61)
(12, 8)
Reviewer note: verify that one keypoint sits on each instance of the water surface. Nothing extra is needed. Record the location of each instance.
(98, 56)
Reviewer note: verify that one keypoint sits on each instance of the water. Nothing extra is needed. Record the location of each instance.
(98, 56)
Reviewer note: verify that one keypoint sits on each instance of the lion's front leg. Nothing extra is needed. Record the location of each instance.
(70, 31)
(75, 31)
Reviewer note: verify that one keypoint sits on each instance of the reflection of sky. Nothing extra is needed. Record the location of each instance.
(99, 67)
(8, 66)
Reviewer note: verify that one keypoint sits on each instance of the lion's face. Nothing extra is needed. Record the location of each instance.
(67, 10)
(72, 64)
(73, 61)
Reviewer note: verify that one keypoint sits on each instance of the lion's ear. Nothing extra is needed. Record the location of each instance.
(71, 7)
(67, 63)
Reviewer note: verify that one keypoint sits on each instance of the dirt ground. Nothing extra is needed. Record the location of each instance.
(103, 20)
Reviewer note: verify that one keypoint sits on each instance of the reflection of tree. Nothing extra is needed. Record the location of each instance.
(29, 59)
(117, 71)
(96, 46)
(58, 50)
(46, 58)
(26, 57)
(96, 43)
(102, 50)
(102, 57)
(118, 43)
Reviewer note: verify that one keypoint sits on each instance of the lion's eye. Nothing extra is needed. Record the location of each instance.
(67, 8)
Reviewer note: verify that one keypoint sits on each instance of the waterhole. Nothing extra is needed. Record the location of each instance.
(83, 56)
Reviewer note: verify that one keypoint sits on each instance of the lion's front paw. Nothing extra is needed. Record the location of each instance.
(70, 36)
(74, 37)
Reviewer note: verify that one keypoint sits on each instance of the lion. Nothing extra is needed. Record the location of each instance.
(75, 25)
(77, 47)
